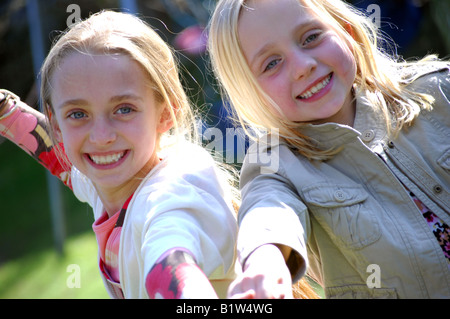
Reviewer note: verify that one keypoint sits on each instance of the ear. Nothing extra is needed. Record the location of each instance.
(55, 126)
(348, 27)
(165, 119)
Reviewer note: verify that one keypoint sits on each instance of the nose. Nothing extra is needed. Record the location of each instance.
(302, 64)
(102, 132)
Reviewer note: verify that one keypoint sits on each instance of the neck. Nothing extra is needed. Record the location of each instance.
(113, 198)
(347, 116)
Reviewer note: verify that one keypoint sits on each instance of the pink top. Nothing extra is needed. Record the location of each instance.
(108, 238)
(107, 230)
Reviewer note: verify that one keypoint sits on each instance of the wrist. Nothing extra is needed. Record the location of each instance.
(8, 103)
(4, 100)
(263, 254)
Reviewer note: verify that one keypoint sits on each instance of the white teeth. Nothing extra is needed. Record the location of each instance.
(108, 159)
(316, 88)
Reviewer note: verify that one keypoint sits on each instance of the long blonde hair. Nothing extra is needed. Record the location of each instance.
(383, 79)
(109, 33)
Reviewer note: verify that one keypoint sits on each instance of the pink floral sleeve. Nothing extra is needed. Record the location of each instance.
(177, 276)
(28, 129)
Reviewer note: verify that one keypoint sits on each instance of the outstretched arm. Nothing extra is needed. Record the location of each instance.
(29, 129)
(177, 276)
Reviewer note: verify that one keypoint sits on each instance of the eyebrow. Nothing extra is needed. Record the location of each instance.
(260, 52)
(119, 98)
(114, 99)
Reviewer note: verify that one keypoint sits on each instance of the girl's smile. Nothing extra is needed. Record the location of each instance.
(107, 161)
(316, 90)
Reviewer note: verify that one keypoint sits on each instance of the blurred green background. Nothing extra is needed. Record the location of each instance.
(32, 263)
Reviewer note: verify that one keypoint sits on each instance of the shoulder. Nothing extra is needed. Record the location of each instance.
(186, 171)
(433, 79)
(269, 154)
(186, 189)
(85, 191)
(189, 157)
(190, 163)
(436, 83)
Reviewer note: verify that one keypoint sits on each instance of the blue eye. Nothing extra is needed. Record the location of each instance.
(77, 115)
(271, 64)
(124, 110)
(311, 38)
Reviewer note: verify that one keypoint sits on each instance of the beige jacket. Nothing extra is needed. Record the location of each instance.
(350, 220)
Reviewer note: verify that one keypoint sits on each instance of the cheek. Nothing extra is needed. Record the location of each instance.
(277, 87)
(142, 137)
(71, 142)
(280, 95)
(343, 59)
(348, 62)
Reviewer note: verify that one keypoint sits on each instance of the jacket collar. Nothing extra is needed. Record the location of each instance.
(367, 125)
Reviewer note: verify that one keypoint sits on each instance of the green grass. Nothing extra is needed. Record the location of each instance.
(30, 266)
(47, 274)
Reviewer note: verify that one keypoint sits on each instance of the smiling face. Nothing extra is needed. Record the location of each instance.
(298, 60)
(108, 119)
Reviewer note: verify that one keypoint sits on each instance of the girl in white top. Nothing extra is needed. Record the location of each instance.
(164, 218)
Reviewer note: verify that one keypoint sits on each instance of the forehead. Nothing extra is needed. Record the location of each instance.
(257, 16)
(264, 21)
(82, 75)
(273, 8)
(87, 64)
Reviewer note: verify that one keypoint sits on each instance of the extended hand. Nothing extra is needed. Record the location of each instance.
(265, 276)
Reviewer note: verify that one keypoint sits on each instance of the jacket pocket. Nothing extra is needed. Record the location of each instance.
(343, 213)
(444, 160)
(360, 292)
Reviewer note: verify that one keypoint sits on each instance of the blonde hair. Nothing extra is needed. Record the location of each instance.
(109, 32)
(383, 79)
